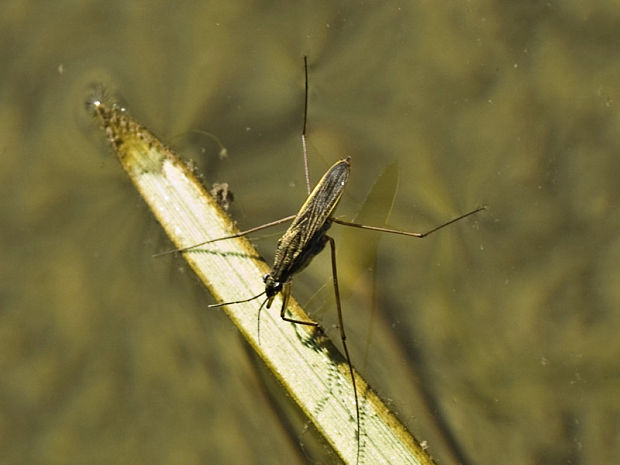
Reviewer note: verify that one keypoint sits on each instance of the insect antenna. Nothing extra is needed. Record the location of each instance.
(243, 301)
(222, 304)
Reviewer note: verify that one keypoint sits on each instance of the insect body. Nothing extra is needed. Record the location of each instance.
(307, 235)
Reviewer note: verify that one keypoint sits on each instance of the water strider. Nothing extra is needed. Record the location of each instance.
(306, 237)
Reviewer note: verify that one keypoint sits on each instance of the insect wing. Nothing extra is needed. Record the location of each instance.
(321, 202)
(306, 235)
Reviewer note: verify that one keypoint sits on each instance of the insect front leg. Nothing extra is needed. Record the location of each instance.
(286, 293)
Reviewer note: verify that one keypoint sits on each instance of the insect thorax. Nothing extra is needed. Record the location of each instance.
(292, 257)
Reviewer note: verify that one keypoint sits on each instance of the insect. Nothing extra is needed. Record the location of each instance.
(306, 237)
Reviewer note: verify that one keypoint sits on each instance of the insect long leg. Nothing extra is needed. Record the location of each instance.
(232, 236)
(286, 293)
(408, 233)
(303, 132)
(343, 337)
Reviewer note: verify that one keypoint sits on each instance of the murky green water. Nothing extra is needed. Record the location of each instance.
(495, 340)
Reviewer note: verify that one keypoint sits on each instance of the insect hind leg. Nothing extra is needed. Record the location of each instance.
(343, 337)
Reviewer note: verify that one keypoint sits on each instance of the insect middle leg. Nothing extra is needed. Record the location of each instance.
(409, 233)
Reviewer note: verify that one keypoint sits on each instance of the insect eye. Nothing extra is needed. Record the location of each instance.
(265, 277)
